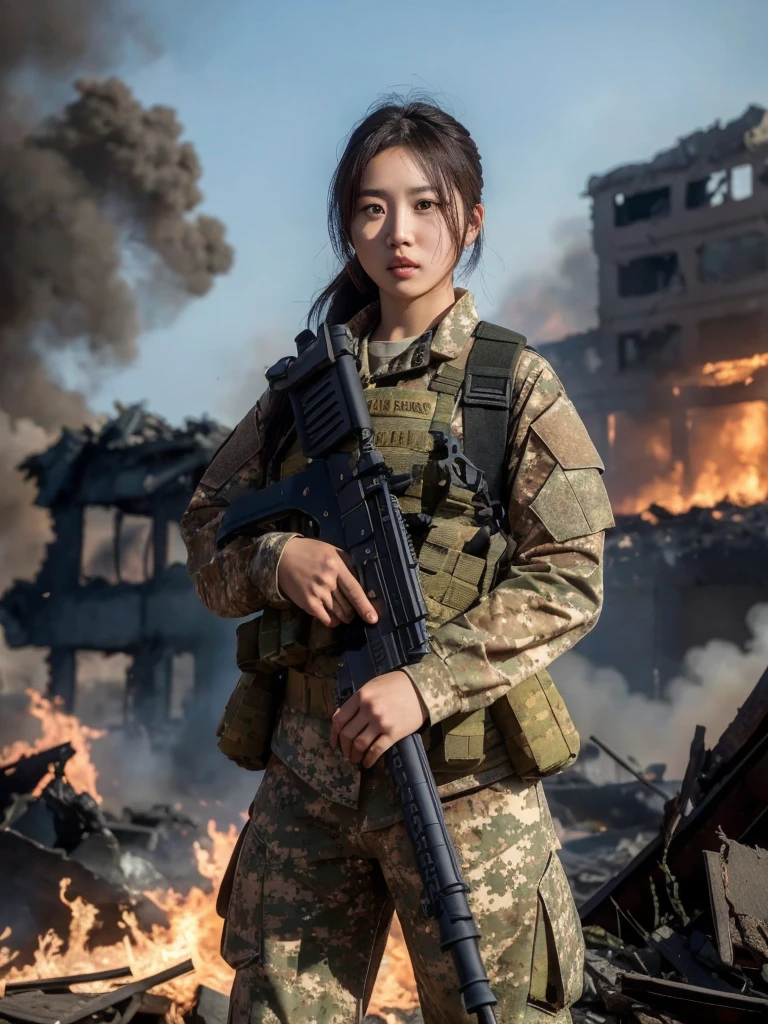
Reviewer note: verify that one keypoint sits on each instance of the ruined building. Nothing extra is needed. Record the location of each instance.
(133, 466)
(673, 385)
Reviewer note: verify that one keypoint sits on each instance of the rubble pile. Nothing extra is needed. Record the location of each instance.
(665, 537)
(671, 879)
(681, 934)
(52, 1001)
(109, 861)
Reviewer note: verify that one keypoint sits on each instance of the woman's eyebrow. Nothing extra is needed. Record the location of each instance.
(380, 193)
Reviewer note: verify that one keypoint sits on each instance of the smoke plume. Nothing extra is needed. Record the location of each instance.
(716, 680)
(98, 227)
(547, 305)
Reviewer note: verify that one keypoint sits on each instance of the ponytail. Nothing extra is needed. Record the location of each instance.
(349, 292)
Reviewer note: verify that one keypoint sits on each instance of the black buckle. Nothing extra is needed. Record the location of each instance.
(477, 392)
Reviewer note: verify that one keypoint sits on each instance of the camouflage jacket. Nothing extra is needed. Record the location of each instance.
(543, 603)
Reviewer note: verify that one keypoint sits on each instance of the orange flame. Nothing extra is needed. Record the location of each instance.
(59, 727)
(731, 371)
(194, 927)
(727, 447)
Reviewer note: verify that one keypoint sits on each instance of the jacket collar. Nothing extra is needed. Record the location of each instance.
(443, 342)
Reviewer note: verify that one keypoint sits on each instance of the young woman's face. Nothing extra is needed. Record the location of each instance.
(398, 229)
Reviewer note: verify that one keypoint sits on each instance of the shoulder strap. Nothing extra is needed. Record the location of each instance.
(487, 400)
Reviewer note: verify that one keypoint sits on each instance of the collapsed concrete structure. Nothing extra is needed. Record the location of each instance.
(134, 465)
(673, 385)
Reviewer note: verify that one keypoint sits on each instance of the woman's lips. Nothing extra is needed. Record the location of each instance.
(402, 272)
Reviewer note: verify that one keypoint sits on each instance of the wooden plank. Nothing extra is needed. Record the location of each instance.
(108, 999)
(42, 1007)
(713, 866)
(48, 984)
(691, 1003)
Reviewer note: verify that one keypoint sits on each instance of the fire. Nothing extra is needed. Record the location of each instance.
(194, 927)
(726, 445)
(395, 986)
(732, 371)
(59, 727)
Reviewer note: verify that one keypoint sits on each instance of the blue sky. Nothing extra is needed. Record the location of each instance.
(551, 91)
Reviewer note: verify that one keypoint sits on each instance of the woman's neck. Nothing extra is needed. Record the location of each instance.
(408, 319)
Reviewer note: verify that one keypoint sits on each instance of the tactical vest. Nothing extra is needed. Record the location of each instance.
(530, 726)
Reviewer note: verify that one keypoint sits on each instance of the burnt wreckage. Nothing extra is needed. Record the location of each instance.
(670, 382)
(135, 465)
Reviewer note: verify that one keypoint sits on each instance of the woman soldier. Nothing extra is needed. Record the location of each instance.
(325, 856)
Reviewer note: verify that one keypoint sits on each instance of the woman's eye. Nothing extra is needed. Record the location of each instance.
(426, 204)
(372, 208)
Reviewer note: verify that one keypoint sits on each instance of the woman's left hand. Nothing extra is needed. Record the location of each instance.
(385, 710)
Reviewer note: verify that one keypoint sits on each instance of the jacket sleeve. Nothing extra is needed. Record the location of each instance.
(242, 577)
(551, 593)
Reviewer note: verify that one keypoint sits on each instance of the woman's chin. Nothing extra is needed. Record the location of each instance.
(409, 288)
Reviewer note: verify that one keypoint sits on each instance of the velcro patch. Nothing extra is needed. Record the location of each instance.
(573, 503)
(562, 431)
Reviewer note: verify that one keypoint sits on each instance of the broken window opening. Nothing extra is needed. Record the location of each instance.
(725, 260)
(709, 191)
(101, 688)
(741, 182)
(658, 347)
(177, 549)
(98, 550)
(641, 206)
(648, 274)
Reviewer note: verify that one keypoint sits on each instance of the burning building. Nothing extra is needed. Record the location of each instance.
(143, 472)
(673, 387)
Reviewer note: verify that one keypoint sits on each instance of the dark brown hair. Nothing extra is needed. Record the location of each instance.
(445, 152)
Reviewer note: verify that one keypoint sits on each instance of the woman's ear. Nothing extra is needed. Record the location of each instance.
(475, 224)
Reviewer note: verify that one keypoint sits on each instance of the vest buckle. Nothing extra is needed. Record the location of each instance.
(489, 391)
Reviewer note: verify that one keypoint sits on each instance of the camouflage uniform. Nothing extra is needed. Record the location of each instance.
(325, 854)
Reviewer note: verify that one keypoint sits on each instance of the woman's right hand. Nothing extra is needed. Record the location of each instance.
(314, 576)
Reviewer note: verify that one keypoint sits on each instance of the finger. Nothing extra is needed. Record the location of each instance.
(342, 715)
(350, 732)
(352, 589)
(379, 746)
(341, 607)
(316, 608)
(362, 743)
(330, 606)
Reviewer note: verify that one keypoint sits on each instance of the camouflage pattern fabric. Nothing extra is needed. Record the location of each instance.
(543, 603)
(326, 853)
(313, 897)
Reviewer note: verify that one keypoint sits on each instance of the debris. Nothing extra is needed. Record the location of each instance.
(22, 776)
(31, 878)
(52, 984)
(210, 1007)
(731, 798)
(693, 1003)
(41, 1006)
(744, 879)
(627, 767)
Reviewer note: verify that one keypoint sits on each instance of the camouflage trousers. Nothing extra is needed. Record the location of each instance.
(312, 899)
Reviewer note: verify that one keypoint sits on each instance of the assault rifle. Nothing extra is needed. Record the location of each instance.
(347, 495)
